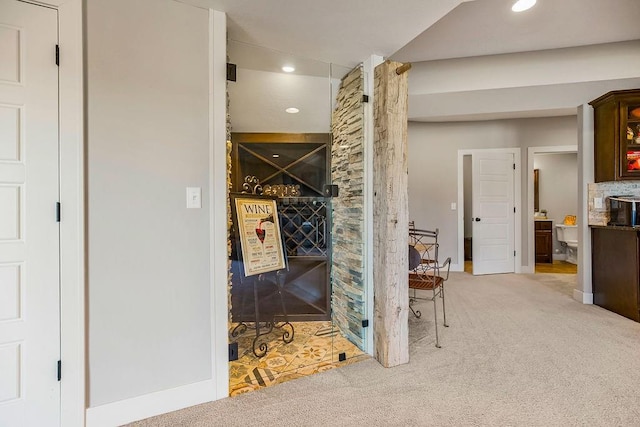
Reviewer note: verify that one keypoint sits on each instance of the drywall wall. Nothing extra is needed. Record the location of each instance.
(527, 84)
(558, 188)
(149, 296)
(433, 151)
(527, 69)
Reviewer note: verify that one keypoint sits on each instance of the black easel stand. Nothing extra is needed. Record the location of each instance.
(264, 328)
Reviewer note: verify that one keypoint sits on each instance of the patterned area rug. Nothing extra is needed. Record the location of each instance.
(316, 347)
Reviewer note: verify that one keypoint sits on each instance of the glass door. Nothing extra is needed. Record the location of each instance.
(630, 138)
(280, 109)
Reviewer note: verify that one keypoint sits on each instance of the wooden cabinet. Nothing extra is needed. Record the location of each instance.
(616, 276)
(544, 241)
(617, 135)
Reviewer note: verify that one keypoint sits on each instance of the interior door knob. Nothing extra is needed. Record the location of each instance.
(477, 219)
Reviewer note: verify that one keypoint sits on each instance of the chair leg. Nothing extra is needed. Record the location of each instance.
(415, 312)
(444, 311)
(412, 300)
(435, 315)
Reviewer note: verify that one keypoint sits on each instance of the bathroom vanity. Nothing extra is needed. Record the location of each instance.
(616, 269)
(544, 240)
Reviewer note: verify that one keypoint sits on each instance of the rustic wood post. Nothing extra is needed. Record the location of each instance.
(390, 215)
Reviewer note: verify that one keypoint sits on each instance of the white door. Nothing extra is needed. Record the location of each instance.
(493, 212)
(29, 232)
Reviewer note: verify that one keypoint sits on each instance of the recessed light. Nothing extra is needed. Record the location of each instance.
(288, 69)
(292, 110)
(275, 156)
(522, 5)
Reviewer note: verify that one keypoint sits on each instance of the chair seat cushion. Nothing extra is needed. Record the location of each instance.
(424, 281)
(414, 258)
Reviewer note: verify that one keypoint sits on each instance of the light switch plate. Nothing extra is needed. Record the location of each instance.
(454, 206)
(194, 197)
(597, 203)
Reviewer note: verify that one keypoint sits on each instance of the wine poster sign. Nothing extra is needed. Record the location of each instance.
(259, 233)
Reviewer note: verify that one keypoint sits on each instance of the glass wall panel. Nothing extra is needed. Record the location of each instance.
(349, 296)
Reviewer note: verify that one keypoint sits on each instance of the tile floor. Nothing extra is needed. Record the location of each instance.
(315, 348)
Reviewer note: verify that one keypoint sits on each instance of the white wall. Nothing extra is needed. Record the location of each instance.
(527, 84)
(558, 188)
(433, 150)
(149, 296)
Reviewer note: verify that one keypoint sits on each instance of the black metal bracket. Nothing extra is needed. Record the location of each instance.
(365, 323)
(233, 351)
(365, 98)
(231, 72)
(331, 190)
(342, 357)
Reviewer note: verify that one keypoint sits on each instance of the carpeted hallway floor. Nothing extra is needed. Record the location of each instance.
(518, 352)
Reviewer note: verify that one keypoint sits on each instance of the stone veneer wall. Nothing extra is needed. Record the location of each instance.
(604, 190)
(229, 187)
(347, 172)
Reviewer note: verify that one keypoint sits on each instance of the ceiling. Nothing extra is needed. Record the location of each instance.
(333, 31)
(489, 27)
(349, 32)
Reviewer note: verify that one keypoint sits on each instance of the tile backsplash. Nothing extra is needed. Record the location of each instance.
(604, 190)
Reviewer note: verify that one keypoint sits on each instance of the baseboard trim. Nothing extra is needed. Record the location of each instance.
(527, 269)
(457, 267)
(583, 297)
(149, 405)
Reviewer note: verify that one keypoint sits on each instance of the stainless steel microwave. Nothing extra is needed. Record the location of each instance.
(624, 210)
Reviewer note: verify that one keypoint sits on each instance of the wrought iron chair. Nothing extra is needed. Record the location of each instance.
(426, 272)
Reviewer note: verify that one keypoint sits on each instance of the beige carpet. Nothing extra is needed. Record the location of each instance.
(518, 353)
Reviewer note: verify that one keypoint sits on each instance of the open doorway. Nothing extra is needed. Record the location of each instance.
(468, 226)
(553, 181)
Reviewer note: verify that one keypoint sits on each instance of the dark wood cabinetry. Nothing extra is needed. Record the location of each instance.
(617, 135)
(544, 241)
(616, 271)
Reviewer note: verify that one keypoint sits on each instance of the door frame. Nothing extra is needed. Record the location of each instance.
(517, 199)
(71, 136)
(531, 152)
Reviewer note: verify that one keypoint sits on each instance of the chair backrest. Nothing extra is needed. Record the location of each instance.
(425, 244)
(414, 258)
(412, 227)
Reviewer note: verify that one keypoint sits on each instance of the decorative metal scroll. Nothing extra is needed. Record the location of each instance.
(251, 185)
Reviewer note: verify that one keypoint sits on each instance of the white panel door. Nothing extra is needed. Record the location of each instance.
(493, 212)
(29, 232)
